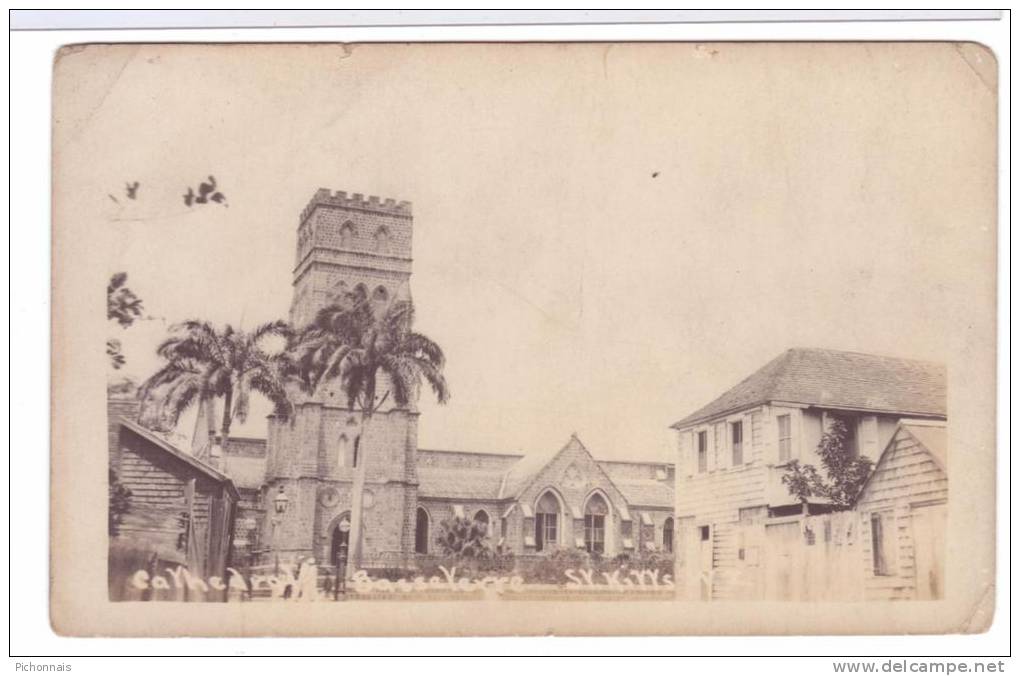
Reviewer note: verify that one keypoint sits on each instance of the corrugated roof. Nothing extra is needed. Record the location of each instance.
(457, 475)
(458, 483)
(832, 378)
(462, 474)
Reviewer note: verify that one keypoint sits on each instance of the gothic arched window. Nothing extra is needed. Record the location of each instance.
(382, 240)
(343, 453)
(337, 292)
(347, 235)
(595, 512)
(546, 521)
(421, 532)
(667, 535)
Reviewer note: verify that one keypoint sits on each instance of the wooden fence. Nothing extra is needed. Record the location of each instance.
(797, 558)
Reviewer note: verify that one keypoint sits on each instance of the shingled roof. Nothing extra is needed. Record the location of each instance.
(831, 378)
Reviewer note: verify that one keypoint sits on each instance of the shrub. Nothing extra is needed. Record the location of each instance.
(845, 473)
(461, 537)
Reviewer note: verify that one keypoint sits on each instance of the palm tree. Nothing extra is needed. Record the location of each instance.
(364, 351)
(203, 365)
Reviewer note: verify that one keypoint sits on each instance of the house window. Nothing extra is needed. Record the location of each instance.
(702, 452)
(667, 535)
(737, 442)
(595, 524)
(785, 442)
(850, 438)
(546, 513)
(882, 531)
(421, 532)
(720, 445)
(705, 532)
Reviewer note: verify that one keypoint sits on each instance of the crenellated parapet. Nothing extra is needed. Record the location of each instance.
(340, 198)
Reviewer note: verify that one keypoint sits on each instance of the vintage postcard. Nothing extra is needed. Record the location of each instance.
(458, 339)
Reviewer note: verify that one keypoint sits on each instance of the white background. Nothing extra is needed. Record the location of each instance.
(31, 56)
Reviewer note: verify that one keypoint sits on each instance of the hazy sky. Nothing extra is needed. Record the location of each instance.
(605, 237)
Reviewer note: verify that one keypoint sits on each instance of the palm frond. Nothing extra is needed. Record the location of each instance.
(434, 377)
(203, 364)
(278, 328)
(423, 346)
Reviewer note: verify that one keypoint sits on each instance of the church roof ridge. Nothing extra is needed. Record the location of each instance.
(497, 454)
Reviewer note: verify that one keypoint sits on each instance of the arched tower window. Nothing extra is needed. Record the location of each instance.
(595, 512)
(337, 293)
(547, 522)
(347, 235)
(667, 535)
(382, 240)
(421, 532)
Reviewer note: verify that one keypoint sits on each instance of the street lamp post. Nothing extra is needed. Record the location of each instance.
(280, 503)
(341, 563)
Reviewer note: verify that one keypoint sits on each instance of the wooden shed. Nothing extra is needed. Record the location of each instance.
(902, 508)
(180, 511)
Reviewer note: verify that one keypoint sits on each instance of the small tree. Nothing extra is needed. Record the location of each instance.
(845, 472)
(463, 537)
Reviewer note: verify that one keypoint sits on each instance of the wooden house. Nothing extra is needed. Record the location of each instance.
(902, 509)
(734, 451)
(180, 510)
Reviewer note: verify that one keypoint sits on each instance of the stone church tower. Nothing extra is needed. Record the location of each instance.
(344, 242)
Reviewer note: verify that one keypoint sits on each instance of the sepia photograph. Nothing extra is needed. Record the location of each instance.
(570, 338)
